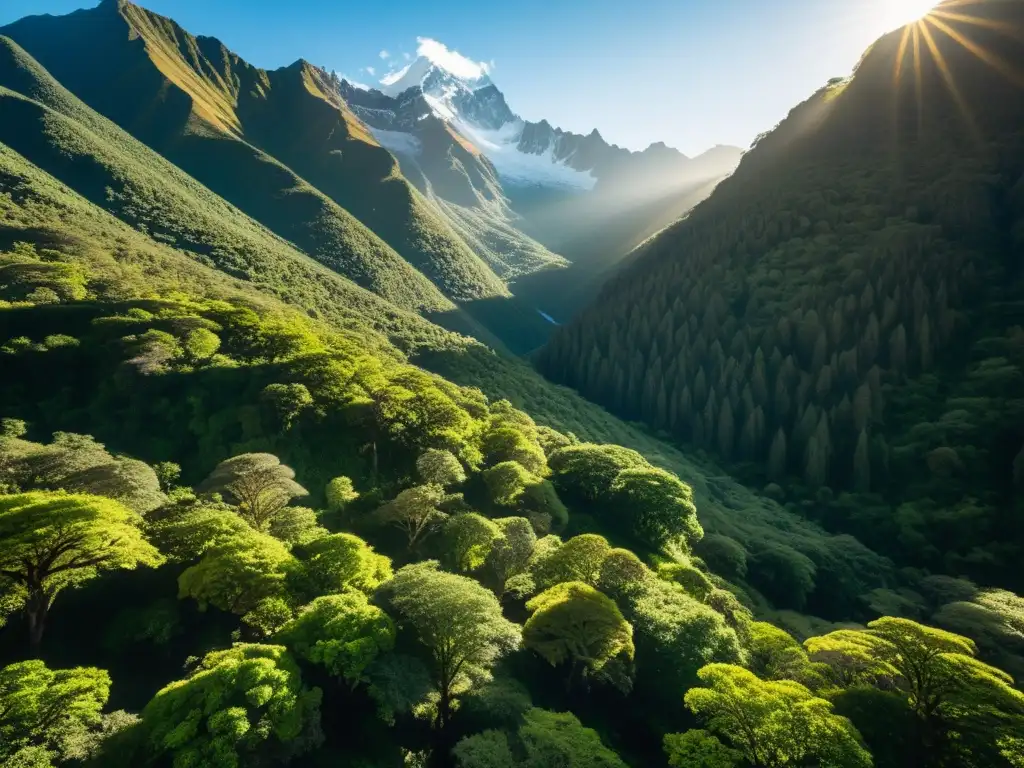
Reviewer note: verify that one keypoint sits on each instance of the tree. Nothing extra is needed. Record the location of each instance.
(545, 739)
(956, 698)
(675, 635)
(339, 562)
(589, 470)
(510, 554)
(559, 739)
(167, 474)
(438, 467)
(130, 481)
(724, 556)
(656, 506)
(774, 654)
(415, 512)
(200, 344)
(285, 402)
(774, 723)
(340, 493)
(620, 570)
(45, 711)
(699, 748)
(186, 533)
(49, 541)
(296, 525)
(258, 482)
(238, 707)
(342, 632)
(573, 622)
(468, 539)
(577, 559)
(508, 442)
(489, 749)
(689, 577)
(458, 623)
(238, 573)
(507, 482)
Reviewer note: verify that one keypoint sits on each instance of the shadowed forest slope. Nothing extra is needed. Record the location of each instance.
(843, 317)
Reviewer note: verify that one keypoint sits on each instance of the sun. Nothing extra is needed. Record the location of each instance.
(900, 13)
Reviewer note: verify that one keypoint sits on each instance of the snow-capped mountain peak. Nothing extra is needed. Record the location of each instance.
(460, 92)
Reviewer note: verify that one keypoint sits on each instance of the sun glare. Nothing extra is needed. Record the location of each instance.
(900, 13)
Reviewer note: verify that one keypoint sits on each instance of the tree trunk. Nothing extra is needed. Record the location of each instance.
(36, 608)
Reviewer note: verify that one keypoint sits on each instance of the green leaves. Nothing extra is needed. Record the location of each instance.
(774, 723)
(954, 695)
(696, 747)
(336, 563)
(238, 573)
(573, 622)
(342, 632)
(43, 709)
(458, 623)
(237, 704)
(49, 541)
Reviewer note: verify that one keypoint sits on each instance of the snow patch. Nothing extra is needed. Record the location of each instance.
(397, 141)
(501, 148)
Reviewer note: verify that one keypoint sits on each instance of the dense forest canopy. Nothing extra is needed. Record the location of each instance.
(252, 514)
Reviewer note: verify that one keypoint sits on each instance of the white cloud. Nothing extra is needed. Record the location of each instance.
(453, 61)
(384, 54)
(370, 70)
(407, 56)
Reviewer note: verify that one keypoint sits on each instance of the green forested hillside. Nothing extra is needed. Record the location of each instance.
(253, 514)
(842, 319)
(274, 144)
(317, 645)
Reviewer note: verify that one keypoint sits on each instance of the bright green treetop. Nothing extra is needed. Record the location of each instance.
(468, 539)
(237, 574)
(415, 512)
(699, 748)
(49, 541)
(258, 482)
(573, 622)
(558, 738)
(458, 623)
(774, 723)
(577, 559)
(42, 711)
(338, 562)
(343, 632)
(238, 705)
(440, 467)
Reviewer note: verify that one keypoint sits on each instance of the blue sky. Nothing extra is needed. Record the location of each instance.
(691, 73)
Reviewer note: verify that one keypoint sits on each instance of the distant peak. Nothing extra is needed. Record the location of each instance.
(114, 5)
(436, 59)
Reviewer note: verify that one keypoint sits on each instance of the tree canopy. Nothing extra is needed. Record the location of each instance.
(458, 623)
(237, 705)
(50, 541)
(774, 723)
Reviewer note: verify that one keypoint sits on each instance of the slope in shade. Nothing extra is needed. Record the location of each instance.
(842, 317)
(252, 136)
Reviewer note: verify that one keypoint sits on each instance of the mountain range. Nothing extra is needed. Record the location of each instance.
(420, 192)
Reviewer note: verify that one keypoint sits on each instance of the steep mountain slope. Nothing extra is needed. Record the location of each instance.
(37, 208)
(453, 174)
(254, 137)
(46, 123)
(844, 314)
